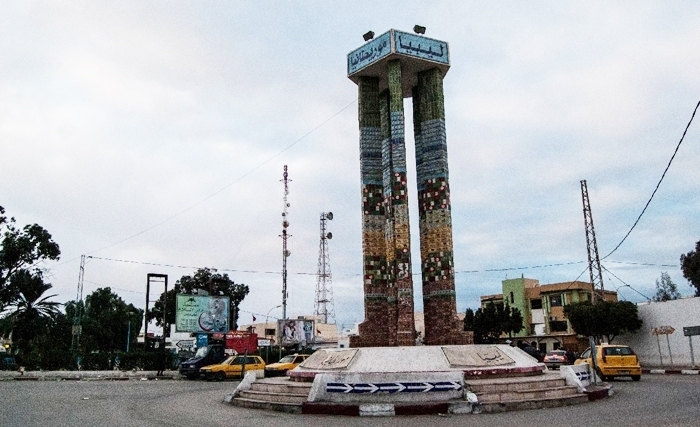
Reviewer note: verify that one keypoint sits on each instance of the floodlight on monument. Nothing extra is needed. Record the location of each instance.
(418, 29)
(329, 216)
(329, 235)
(369, 35)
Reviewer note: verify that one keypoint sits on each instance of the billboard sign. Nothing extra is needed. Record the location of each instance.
(198, 313)
(297, 331)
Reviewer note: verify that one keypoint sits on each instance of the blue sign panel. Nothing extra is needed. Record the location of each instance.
(202, 340)
(369, 53)
(421, 47)
(398, 387)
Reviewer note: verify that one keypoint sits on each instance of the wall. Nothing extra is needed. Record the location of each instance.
(677, 314)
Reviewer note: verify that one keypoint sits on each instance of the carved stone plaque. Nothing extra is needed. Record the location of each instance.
(324, 359)
(476, 356)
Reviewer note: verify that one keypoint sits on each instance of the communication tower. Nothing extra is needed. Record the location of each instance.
(593, 258)
(324, 306)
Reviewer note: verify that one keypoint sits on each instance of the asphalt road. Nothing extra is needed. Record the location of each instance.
(657, 400)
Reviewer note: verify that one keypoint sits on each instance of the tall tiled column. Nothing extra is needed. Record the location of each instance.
(442, 325)
(373, 331)
(398, 246)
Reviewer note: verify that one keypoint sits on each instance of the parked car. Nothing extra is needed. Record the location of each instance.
(555, 358)
(613, 361)
(7, 363)
(233, 367)
(285, 364)
(207, 355)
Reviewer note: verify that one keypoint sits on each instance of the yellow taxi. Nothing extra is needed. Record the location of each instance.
(613, 361)
(285, 364)
(234, 367)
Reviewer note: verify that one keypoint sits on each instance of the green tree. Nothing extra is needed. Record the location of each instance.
(514, 322)
(469, 320)
(106, 320)
(492, 321)
(204, 279)
(32, 314)
(666, 290)
(21, 253)
(604, 320)
(690, 265)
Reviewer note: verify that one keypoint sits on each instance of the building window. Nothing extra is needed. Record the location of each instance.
(558, 326)
(269, 332)
(555, 300)
(536, 304)
(512, 300)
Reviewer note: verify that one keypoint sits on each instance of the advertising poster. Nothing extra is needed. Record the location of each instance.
(296, 331)
(197, 313)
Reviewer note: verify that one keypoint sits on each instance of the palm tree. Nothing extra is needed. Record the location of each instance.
(31, 312)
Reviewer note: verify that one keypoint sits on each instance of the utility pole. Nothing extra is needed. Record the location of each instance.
(593, 258)
(77, 327)
(285, 236)
(324, 305)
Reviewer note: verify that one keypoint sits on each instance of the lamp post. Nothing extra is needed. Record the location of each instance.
(267, 353)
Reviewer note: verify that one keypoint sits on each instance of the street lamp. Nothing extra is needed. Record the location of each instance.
(267, 353)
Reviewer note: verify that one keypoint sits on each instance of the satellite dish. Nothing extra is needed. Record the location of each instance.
(329, 215)
(287, 253)
(329, 235)
(285, 223)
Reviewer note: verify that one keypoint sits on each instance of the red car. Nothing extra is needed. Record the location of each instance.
(555, 358)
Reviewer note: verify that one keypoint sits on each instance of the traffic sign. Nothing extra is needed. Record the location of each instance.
(691, 330)
(662, 330)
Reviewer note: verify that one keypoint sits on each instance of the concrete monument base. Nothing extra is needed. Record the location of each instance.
(407, 374)
(385, 381)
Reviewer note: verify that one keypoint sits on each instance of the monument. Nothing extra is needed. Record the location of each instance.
(387, 69)
(379, 378)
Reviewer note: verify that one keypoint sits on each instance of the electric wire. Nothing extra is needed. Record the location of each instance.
(658, 184)
(625, 284)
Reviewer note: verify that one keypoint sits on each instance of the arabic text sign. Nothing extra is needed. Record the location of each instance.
(369, 53)
(197, 313)
(421, 47)
(662, 330)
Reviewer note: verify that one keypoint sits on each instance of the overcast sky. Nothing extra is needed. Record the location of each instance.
(152, 136)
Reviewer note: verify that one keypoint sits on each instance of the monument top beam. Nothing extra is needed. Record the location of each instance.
(416, 53)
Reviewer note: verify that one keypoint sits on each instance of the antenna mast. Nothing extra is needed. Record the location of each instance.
(324, 306)
(593, 258)
(285, 236)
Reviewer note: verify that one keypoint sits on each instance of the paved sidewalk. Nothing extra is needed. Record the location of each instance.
(87, 375)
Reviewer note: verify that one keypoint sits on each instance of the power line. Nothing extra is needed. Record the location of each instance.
(625, 284)
(659, 183)
(490, 270)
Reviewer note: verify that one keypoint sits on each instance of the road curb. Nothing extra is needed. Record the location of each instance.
(86, 376)
(671, 371)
